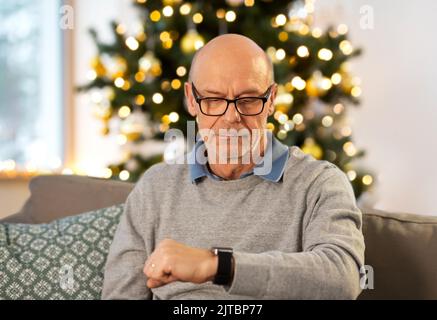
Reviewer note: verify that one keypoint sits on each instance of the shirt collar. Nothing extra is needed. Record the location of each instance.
(279, 160)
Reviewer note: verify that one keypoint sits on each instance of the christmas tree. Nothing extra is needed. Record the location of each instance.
(140, 77)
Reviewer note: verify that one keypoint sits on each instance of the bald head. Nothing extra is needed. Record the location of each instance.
(229, 56)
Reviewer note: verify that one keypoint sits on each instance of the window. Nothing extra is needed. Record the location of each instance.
(31, 84)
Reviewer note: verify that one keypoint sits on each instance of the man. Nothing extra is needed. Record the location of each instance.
(291, 232)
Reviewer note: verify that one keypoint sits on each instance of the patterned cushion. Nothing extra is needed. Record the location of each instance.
(60, 260)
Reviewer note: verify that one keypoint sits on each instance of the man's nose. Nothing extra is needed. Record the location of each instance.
(232, 114)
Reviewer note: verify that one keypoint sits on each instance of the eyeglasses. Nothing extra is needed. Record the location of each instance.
(246, 106)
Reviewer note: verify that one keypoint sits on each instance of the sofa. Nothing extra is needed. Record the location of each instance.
(401, 248)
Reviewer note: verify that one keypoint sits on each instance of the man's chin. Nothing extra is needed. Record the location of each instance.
(235, 154)
(232, 150)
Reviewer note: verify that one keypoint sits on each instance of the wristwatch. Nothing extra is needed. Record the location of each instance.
(224, 270)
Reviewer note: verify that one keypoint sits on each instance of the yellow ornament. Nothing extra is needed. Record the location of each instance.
(105, 128)
(98, 67)
(317, 85)
(192, 41)
(347, 82)
(115, 67)
(171, 2)
(133, 126)
(311, 88)
(312, 148)
(102, 111)
(150, 65)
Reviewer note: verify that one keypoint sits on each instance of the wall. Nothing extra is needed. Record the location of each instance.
(396, 122)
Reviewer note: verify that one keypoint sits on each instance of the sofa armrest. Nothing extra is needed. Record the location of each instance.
(400, 247)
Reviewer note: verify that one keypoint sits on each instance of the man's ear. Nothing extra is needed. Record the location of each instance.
(271, 108)
(189, 100)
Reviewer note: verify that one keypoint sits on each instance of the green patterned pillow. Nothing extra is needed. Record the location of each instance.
(60, 260)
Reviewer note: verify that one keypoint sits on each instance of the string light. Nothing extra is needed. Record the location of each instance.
(280, 54)
(124, 112)
(164, 36)
(67, 171)
(309, 6)
(325, 54)
(283, 118)
(298, 118)
(31, 168)
(121, 139)
(91, 75)
(197, 18)
(120, 29)
(230, 16)
(124, 175)
(282, 134)
(167, 11)
(284, 99)
(350, 149)
(367, 180)
(316, 33)
(185, 9)
(132, 43)
(119, 82)
(107, 173)
(281, 19)
(181, 71)
(304, 29)
(338, 108)
(303, 52)
(174, 117)
(356, 92)
(327, 121)
(342, 29)
(7, 165)
(298, 83)
(289, 125)
(346, 47)
(346, 131)
(336, 78)
(326, 83)
(351, 175)
(157, 98)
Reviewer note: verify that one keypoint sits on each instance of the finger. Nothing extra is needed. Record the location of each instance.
(153, 283)
(167, 270)
(149, 266)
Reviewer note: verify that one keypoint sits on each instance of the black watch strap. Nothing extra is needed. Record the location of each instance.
(224, 270)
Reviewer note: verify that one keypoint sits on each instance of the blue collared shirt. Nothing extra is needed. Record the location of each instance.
(279, 160)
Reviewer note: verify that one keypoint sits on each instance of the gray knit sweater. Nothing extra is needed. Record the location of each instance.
(297, 239)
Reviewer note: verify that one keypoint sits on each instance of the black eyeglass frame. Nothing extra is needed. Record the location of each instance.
(199, 99)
